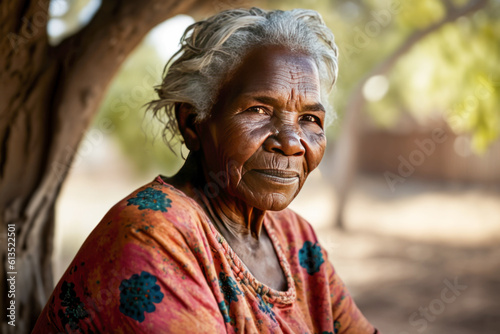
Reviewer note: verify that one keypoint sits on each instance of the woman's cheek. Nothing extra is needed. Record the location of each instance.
(234, 172)
(316, 150)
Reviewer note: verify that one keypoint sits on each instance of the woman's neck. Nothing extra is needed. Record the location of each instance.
(231, 216)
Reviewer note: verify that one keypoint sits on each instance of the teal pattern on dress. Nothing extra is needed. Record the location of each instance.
(137, 295)
(75, 308)
(225, 312)
(229, 288)
(267, 308)
(336, 326)
(150, 198)
(310, 257)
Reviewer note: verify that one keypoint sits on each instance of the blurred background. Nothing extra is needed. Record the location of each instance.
(407, 198)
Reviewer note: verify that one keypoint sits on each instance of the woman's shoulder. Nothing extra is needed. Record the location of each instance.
(155, 213)
(154, 238)
(154, 224)
(156, 203)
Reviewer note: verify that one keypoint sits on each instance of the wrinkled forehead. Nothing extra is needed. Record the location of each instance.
(277, 70)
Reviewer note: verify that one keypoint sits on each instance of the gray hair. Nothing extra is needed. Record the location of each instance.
(212, 48)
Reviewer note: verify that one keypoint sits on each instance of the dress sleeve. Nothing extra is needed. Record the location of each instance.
(347, 318)
(133, 276)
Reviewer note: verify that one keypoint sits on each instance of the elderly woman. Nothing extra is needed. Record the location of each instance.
(213, 249)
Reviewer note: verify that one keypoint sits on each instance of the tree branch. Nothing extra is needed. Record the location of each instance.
(88, 62)
(23, 48)
(15, 13)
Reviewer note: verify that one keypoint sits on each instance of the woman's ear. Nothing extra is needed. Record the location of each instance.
(186, 116)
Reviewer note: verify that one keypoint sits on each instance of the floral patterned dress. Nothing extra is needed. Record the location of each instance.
(156, 264)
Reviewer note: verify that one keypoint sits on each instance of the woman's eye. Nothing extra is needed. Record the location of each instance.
(258, 110)
(310, 118)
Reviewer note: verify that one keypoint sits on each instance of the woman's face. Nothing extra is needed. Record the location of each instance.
(265, 134)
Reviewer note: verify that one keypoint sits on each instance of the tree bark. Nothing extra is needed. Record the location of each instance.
(344, 160)
(48, 97)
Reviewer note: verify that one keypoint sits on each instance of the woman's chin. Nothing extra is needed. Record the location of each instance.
(272, 201)
(267, 195)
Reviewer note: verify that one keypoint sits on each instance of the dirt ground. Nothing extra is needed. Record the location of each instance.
(392, 279)
(422, 259)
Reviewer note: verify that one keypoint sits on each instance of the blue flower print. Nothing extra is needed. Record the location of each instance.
(137, 295)
(336, 326)
(224, 310)
(229, 288)
(151, 199)
(310, 257)
(75, 309)
(267, 308)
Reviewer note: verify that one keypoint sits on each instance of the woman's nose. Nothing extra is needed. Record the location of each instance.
(286, 142)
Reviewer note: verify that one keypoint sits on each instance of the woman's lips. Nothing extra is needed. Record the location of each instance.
(279, 175)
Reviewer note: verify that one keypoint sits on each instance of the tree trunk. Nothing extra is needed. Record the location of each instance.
(344, 160)
(48, 97)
